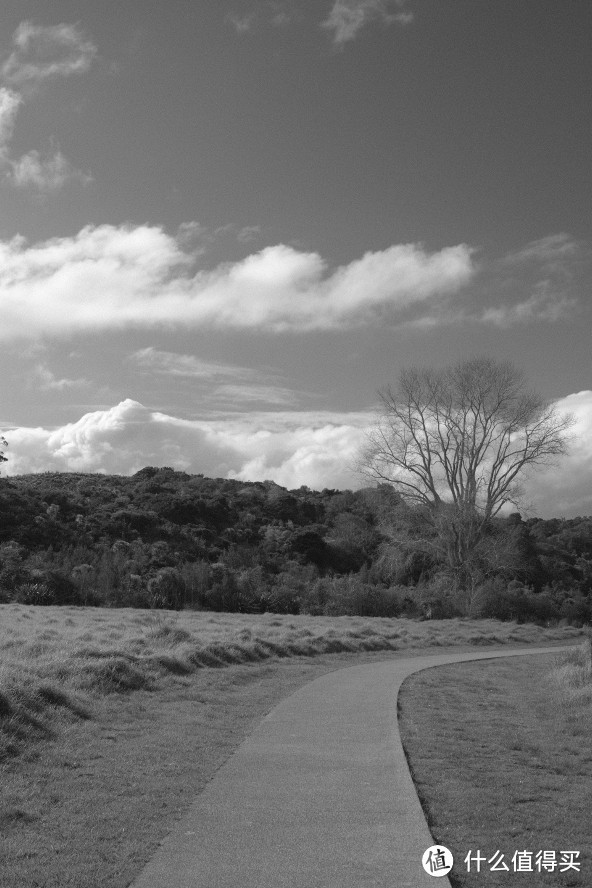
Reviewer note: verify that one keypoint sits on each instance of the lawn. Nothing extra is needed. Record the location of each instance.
(501, 754)
(111, 721)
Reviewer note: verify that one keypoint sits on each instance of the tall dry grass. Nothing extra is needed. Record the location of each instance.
(54, 661)
(571, 679)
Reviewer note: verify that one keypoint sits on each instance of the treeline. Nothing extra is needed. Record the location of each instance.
(166, 539)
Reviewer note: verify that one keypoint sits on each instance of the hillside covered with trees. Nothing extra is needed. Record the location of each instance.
(165, 539)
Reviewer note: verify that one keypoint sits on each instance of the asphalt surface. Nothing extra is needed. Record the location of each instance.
(319, 795)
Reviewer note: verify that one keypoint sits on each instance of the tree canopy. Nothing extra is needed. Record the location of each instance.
(162, 538)
(458, 441)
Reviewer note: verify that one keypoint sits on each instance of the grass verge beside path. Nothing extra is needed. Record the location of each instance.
(501, 755)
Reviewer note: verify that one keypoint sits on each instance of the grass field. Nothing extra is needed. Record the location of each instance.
(55, 661)
(501, 754)
(112, 721)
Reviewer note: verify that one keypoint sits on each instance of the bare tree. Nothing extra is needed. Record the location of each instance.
(457, 443)
(3, 443)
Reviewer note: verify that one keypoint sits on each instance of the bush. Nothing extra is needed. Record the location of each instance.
(166, 590)
(48, 587)
(539, 607)
(33, 593)
(224, 593)
(437, 598)
(576, 609)
(376, 601)
(517, 602)
(352, 596)
(196, 578)
(284, 596)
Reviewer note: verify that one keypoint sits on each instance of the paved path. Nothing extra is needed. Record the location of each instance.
(319, 796)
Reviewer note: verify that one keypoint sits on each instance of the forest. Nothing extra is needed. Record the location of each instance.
(165, 539)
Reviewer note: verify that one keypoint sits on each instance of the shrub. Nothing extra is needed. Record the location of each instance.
(196, 580)
(33, 593)
(224, 593)
(63, 589)
(577, 609)
(352, 596)
(438, 599)
(376, 601)
(284, 597)
(317, 596)
(517, 602)
(166, 589)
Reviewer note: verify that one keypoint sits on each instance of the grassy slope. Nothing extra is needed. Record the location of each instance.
(89, 809)
(54, 661)
(501, 753)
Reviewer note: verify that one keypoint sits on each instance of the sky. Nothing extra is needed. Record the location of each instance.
(226, 224)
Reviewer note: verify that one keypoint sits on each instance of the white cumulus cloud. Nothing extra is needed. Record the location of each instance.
(566, 489)
(290, 448)
(110, 277)
(319, 455)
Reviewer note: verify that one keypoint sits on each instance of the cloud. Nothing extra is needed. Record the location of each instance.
(320, 455)
(248, 233)
(549, 264)
(226, 385)
(276, 13)
(39, 53)
(550, 252)
(541, 282)
(173, 364)
(44, 52)
(110, 277)
(242, 23)
(565, 489)
(543, 305)
(122, 439)
(292, 448)
(9, 105)
(347, 17)
(193, 237)
(198, 239)
(140, 277)
(247, 394)
(45, 174)
(546, 270)
(44, 380)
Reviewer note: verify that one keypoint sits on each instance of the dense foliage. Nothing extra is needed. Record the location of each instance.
(162, 538)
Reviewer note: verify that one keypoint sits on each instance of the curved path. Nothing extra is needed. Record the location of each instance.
(319, 795)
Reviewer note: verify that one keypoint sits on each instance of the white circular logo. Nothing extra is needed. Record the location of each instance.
(437, 861)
